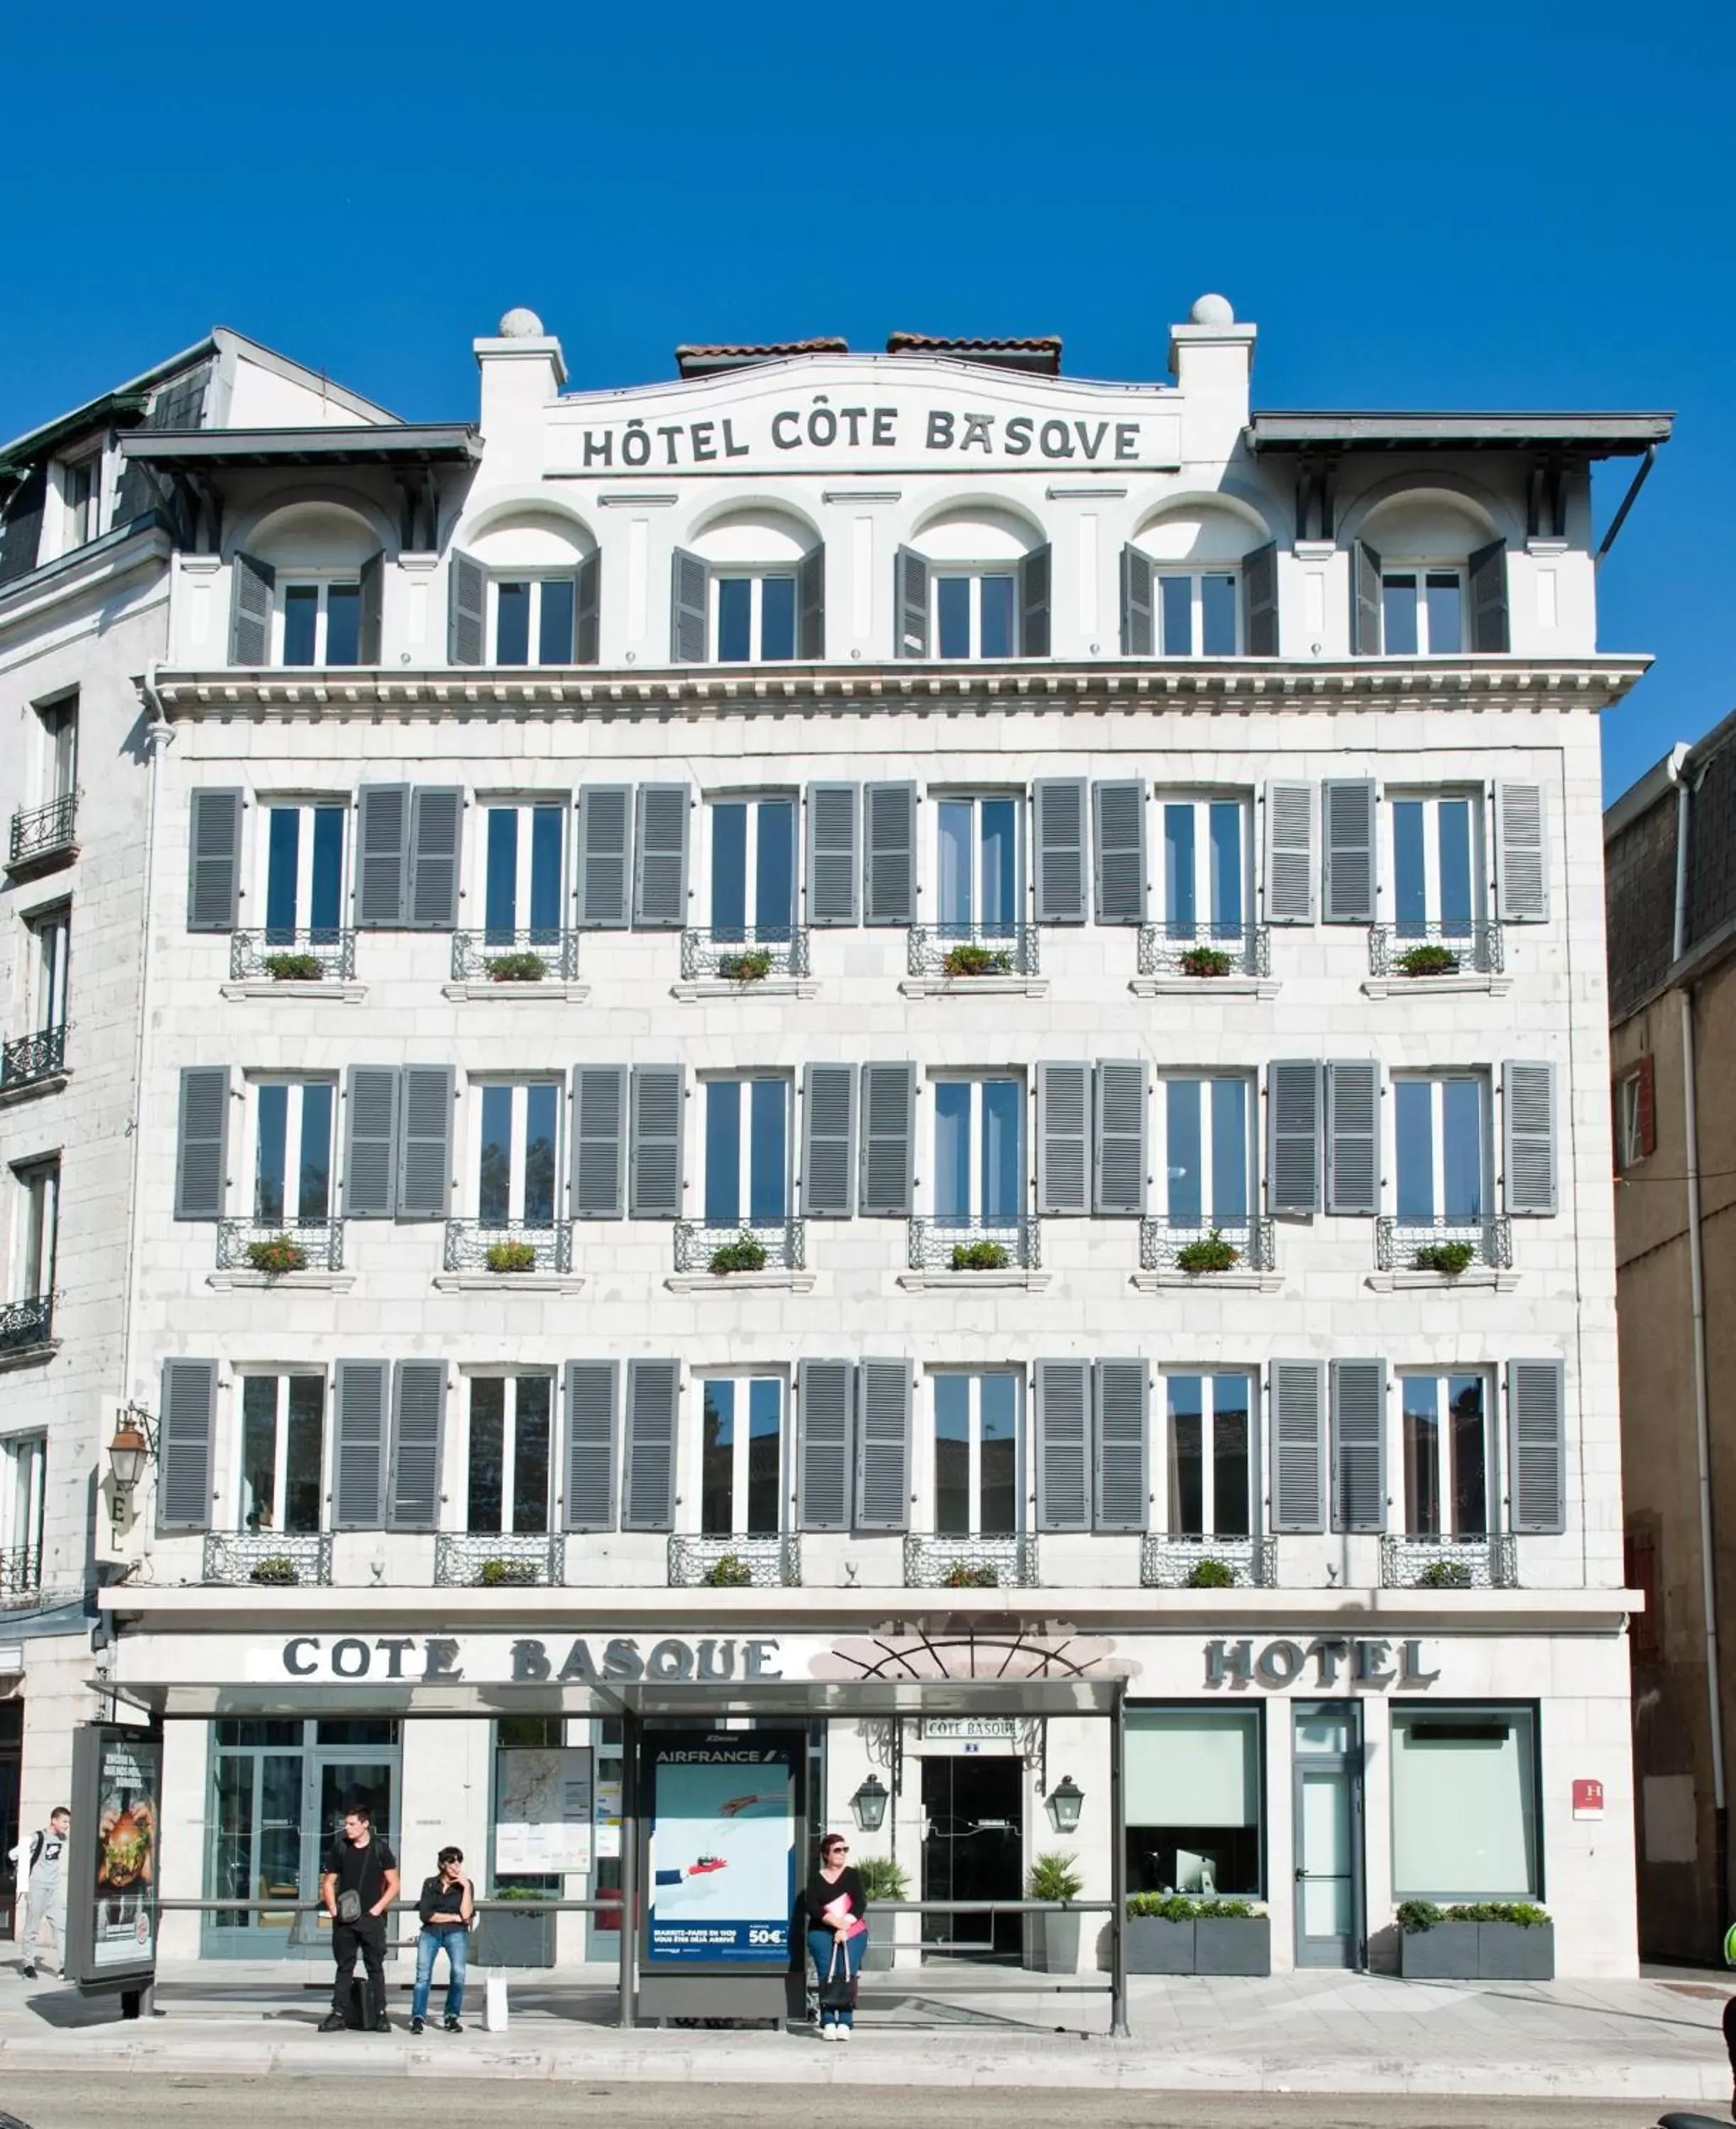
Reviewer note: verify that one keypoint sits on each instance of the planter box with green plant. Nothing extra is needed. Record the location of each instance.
(521, 966)
(1177, 1933)
(977, 961)
(277, 1572)
(980, 1256)
(1212, 1252)
(277, 1256)
(1206, 961)
(1478, 1941)
(1427, 961)
(1212, 1574)
(1451, 1258)
(292, 968)
(1445, 1575)
(510, 1256)
(506, 1575)
(730, 1572)
(966, 1574)
(746, 1253)
(1051, 1941)
(752, 966)
(882, 1880)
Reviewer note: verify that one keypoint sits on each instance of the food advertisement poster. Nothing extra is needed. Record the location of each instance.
(721, 1871)
(542, 1809)
(117, 1796)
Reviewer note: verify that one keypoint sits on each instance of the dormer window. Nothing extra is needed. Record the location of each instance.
(81, 489)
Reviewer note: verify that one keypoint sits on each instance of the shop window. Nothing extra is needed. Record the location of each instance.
(1210, 1460)
(283, 1452)
(1205, 1127)
(975, 1486)
(1193, 1799)
(1446, 1456)
(978, 865)
(1464, 1803)
(1440, 1129)
(507, 1464)
(292, 1160)
(304, 871)
(515, 1158)
(1206, 881)
(741, 1455)
(746, 1152)
(752, 848)
(522, 869)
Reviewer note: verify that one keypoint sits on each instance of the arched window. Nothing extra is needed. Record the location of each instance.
(974, 584)
(750, 590)
(524, 592)
(1200, 582)
(1429, 583)
(308, 589)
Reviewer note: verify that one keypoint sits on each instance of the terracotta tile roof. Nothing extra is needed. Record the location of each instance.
(691, 357)
(1041, 355)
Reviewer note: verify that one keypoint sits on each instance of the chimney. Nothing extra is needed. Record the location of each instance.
(1212, 357)
(522, 372)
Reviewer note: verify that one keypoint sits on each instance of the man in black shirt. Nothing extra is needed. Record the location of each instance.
(358, 1884)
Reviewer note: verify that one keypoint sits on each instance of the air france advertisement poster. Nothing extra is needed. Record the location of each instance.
(722, 1847)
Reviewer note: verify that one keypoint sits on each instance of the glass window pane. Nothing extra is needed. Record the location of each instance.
(1410, 885)
(274, 1126)
(542, 1104)
(1455, 861)
(1175, 596)
(778, 617)
(1469, 1464)
(501, 910)
(775, 869)
(735, 619)
(1399, 617)
(1187, 1480)
(513, 624)
(258, 1453)
(952, 1150)
(326, 909)
(554, 622)
(952, 615)
(531, 1455)
(1218, 616)
(1463, 1149)
(304, 1457)
(999, 624)
(487, 1435)
(313, 1194)
(343, 624)
(722, 1152)
(769, 1152)
(764, 1461)
(953, 1455)
(1421, 1395)
(1178, 870)
(282, 862)
(546, 874)
(1232, 1466)
(999, 825)
(1182, 1150)
(494, 1171)
(1229, 868)
(301, 620)
(717, 1461)
(1413, 1107)
(729, 870)
(1229, 1148)
(1464, 1808)
(1445, 629)
(997, 1461)
(1003, 1182)
(958, 899)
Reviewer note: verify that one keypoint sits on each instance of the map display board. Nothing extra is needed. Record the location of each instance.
(721, 1872)
(542, 1810)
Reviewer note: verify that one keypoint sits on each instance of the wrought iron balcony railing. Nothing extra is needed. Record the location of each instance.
(1205, 954)
(257, 1245)
(948, 1244)
(1189, 1245)
(970, 1562)
(499, 1559)
(736, 1563)
(284, 1560)
(1416, 950)
(536, 956)
(744, 955)
(782, 1244)
(1449, 1562)
(510, 1245)
(1440, 1245)
(21, 1573)
(1172, 1561)
(33, 1057)
(24, 1324)
(962, 951)
(44, 832)
(279, 955)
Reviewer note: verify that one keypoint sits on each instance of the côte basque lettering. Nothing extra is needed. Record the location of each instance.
(437, 1658)
(957, 433)
(1338, 1660)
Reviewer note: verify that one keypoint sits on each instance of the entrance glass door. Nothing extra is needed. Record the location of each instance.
(1328, 1835)
(973, 1849)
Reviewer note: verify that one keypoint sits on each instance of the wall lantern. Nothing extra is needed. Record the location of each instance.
(135, 1444)
(1067, 1799)
(869, 1803)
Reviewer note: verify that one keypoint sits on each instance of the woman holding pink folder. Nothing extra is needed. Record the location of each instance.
(836, 1907)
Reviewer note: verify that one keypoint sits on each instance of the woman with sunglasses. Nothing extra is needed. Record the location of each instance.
(835, 1907)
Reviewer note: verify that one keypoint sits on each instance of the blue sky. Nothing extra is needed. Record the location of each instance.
(1525, 205)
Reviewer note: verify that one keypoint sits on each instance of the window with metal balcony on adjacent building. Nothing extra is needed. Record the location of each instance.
(23, 1501)
(37, 1058)
(26, 1321)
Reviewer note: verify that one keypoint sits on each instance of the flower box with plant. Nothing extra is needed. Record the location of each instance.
(506, 1575)
(276, 1256)
(1212, 1574)
(292, 968)
(979, 1256)
(1445, 1575)
(746, 1253)
(1478, 1941)
(730, 1572)
(1180, 1933)
(1206, 961)
(1449, 1258)
(510, 1256)
(1212, 1252)
(522, 966)
(971, 960)
(277, 1572)
(753, 966)
(1051, 1941)
(964, 1574)
(882, 1880)
(1428, 961)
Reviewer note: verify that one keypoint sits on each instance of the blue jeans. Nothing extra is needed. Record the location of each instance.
(456, 1939)
(820, 1944)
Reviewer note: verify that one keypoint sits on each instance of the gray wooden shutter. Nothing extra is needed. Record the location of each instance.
(1522, 855)
(214, 861)
(811, 606)
(253, 586)
(466, 611)
(1290, 868)
(1359, 1444)
(653, 1405)
(186, 1445)
(418, 1416)
(660, 873)
(1529, 1163)
(1118, 818)
(1348, 832)
(689, 621)
(1059, 821)
(1063, 1445)
(202, 1142)
(654, 1164)
(883, 1445)
(1260, 602)
(1034, 572)
(599, 1134)
(1353, 1137)
(888, 1111)
(1119, 1167)
(425, 1142)
(436, 821)
(828, 1142)
(910, 603)
(889, 864)
(826, 1411)
(1122, 1392)
(371, 614)
(1487, 569)
(1293, 1163)
(1365, 601)
(1064, 1140)
(832, 863)
(1537, 1446)
(605, 837)
(1298, 1446)
(370, 1142)
(361, 1433)
(587, 609)
(383, 857)
(1139, 635)
(588, 1456)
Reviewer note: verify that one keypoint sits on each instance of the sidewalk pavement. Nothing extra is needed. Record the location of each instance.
(1656, 2039)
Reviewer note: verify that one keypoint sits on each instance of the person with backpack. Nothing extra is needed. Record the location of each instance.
(358, 1881)
(445, 1907)
(45, 1893)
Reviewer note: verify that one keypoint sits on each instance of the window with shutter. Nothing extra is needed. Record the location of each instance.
(437, 818)
(1119, 811)
(202, 1148)
(1353, 1137)
(1212, 1454)
(1122, 1397)
(361, 1432)
(883, 1445)
(660, 883)
(825, 1458)
(253, 584)
(418, 1413)
(587, 610)
(1293, 1167)
(811, 607)
(599, 1142)
(1260, 601)
(648, 1494)
(831, 854)
(592, 1402)
(1365, 610)
(1528, 1107)
(828, 1142)
(1348, 824)
(605, 819)
(1487, 570)
(186, 1442)
(887, 1113)
(466, 611)
(1118, 1171)
(425, 1142)
(1359, 1444)
(889, 879)
(1064, 1140)
(370, 618)
(1206, 1168)
(910, 604)
(1290, 870)
(1059, 826)
(1299, 1446)
(1537, 1446)
(383, 857)
(1522, 855)
(1139, 635)
(655, 1163)
(214, 861)
(1063, 1445)
(689, 588)
(370, 1142)
(1034, 573)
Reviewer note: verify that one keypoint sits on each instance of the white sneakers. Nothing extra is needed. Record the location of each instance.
(834, 2033)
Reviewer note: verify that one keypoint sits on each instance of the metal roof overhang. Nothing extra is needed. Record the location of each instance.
(1599, 435)
(192, 450)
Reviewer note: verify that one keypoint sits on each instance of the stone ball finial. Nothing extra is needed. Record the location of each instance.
(1207, 311)
(521, 324)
